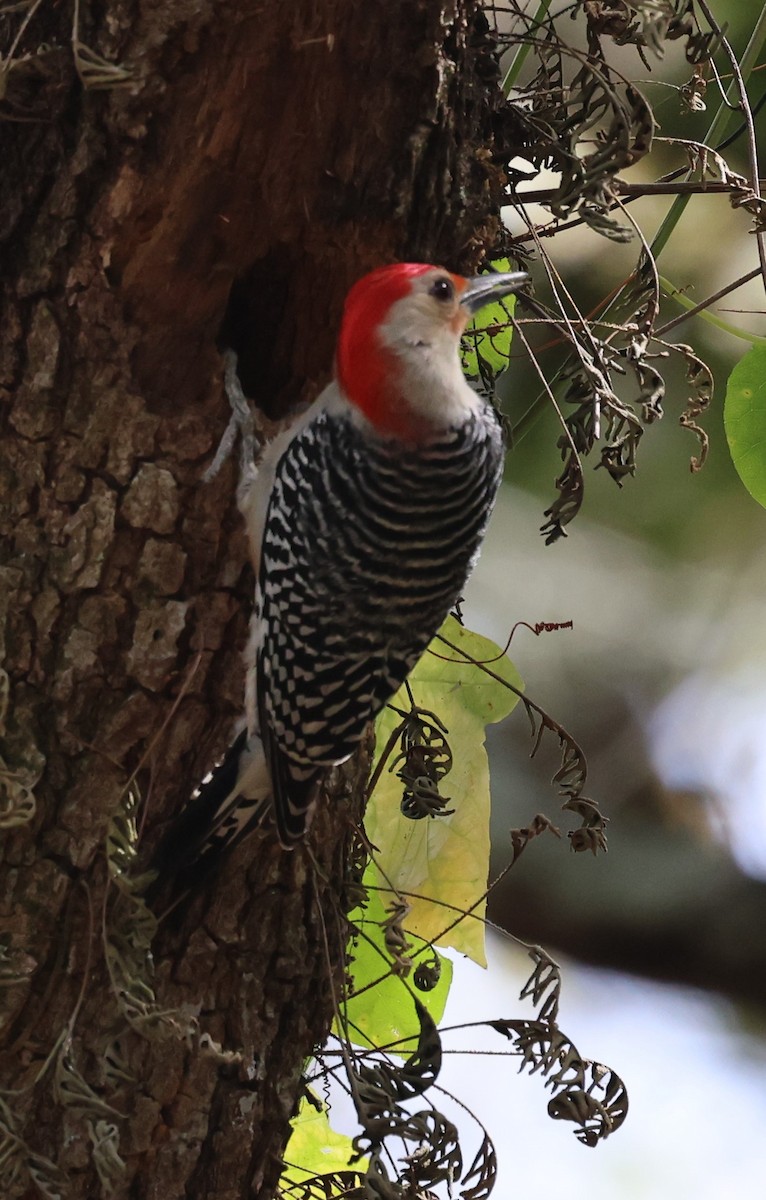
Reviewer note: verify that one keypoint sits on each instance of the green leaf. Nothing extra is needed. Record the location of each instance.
(744, 418)
(316, 1149)
(445, 859)
(490, 334)
(385, 1013)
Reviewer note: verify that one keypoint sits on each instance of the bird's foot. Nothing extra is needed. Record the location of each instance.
(241, 423)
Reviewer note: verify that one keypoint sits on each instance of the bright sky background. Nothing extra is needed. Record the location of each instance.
(710, 734)
(696, 1127)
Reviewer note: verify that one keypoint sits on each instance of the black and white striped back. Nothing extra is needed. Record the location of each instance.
(367, 546)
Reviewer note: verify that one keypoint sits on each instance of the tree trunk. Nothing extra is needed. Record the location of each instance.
(251, 161)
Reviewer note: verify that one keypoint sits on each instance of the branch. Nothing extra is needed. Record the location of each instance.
(748, 115)
(681, 187)
(697, 308)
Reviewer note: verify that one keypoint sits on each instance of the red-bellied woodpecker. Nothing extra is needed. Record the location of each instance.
(365, 519)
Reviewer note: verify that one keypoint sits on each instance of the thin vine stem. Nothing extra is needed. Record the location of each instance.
(748, 116)
(696, 309)
(701, 310)
(716, 129)
(520, 57)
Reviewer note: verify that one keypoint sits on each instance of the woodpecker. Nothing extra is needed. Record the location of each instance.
(365, 519)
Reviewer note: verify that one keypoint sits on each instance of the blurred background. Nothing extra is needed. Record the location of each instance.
(662, 681)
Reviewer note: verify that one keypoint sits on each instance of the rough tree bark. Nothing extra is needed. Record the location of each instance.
(258, 159)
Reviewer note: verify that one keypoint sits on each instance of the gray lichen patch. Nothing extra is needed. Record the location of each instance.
(162, 566)
(87, 535)
(33, 415)
(155, 652)
(152, 500)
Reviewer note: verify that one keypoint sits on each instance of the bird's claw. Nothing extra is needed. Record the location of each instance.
(240, 424)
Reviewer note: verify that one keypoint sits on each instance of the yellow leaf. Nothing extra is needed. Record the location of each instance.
(385, 1013)
(445, 859)
(316, 1149)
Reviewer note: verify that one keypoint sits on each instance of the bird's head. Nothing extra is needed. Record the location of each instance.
(398, 356)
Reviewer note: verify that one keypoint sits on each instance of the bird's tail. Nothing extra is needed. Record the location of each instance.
(233, 800)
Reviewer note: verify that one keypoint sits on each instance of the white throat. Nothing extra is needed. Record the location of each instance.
(427, 355)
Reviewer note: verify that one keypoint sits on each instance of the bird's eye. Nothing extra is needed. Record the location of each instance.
(442, 289)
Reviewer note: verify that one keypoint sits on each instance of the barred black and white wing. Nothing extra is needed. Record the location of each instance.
(367, 546)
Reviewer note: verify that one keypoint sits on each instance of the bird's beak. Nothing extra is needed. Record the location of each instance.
(485, 288)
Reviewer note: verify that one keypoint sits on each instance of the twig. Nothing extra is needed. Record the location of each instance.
(717, 126)
(692, 312)
(748, 116)
(634, 191)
